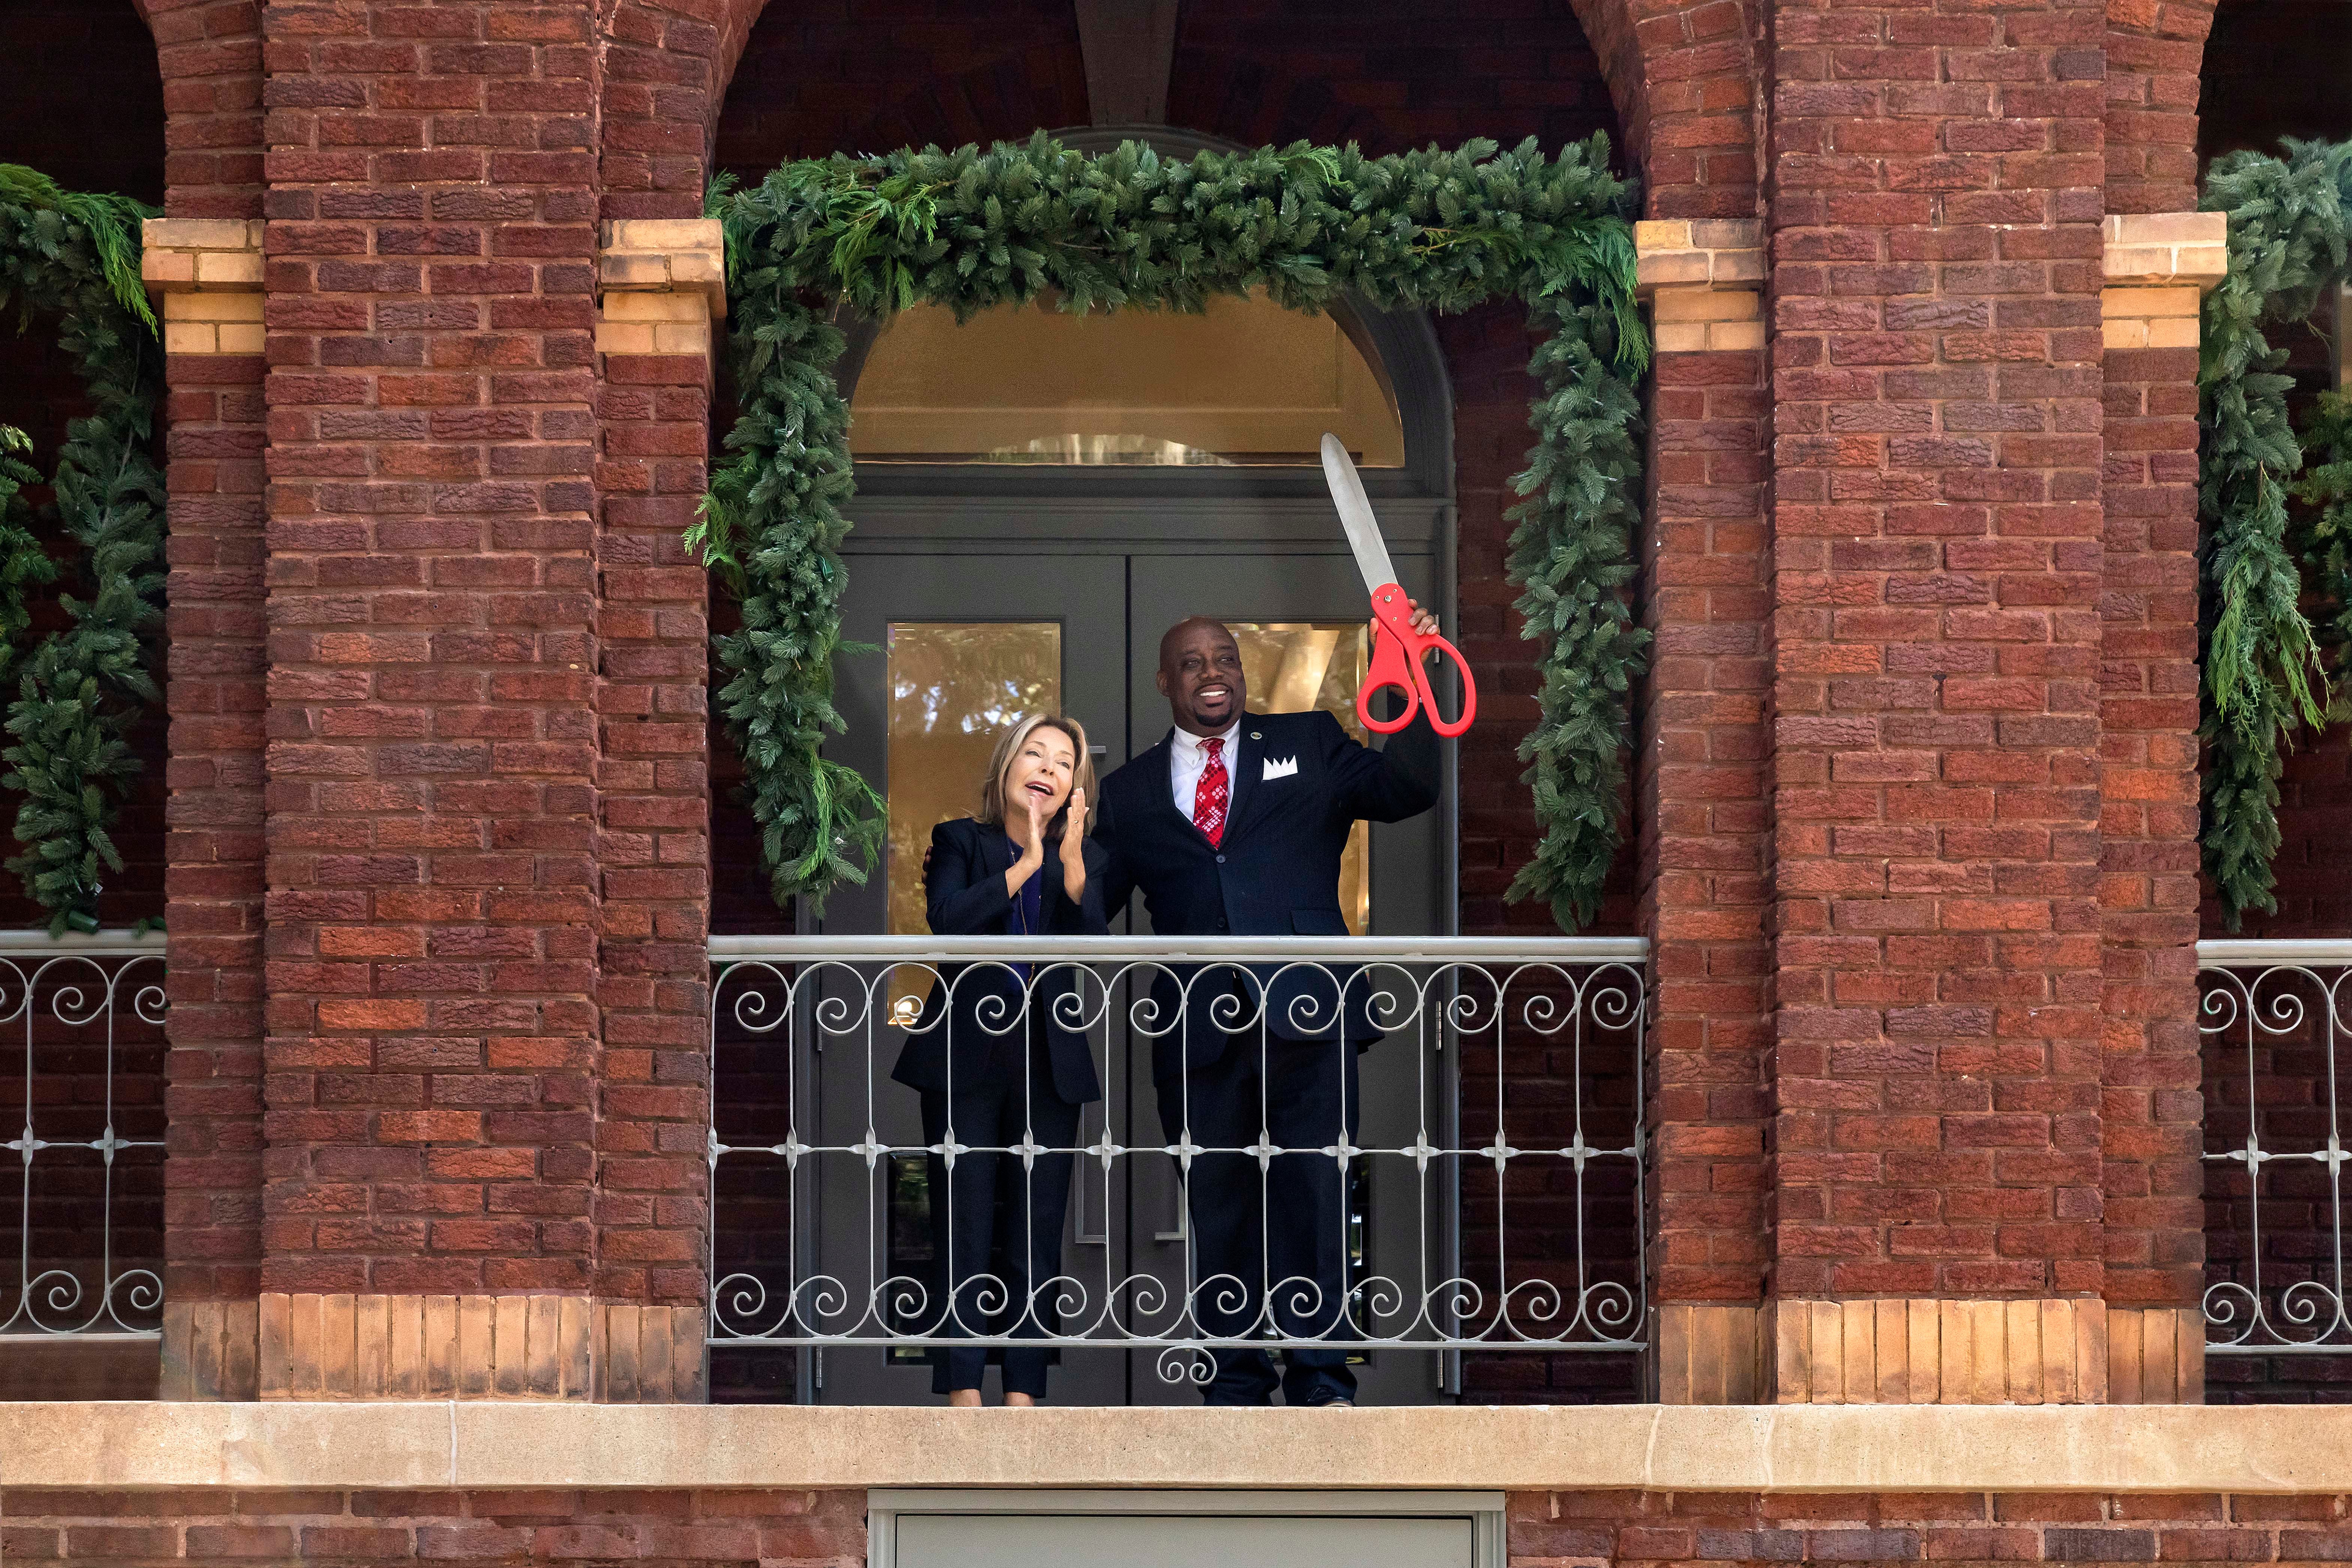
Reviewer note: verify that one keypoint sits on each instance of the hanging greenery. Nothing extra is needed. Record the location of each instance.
(74, 258)
(975, 228)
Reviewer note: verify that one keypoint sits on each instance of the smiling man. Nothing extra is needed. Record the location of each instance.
(1234, 825)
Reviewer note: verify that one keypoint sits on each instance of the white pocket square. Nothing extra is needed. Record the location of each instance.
(1282, 769)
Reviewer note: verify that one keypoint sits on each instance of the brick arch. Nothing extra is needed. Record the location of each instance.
(1685, 75)
(666, 64)
(1682, 75)
(670, 66)
(210, 55)
(2155, 50)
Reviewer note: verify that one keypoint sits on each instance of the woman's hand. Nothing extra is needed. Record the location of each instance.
(1033, 854)
(1074, 847)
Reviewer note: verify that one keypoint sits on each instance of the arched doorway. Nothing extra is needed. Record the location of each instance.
(1040, 496)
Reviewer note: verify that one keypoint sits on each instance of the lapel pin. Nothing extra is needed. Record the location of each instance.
(1256, 736)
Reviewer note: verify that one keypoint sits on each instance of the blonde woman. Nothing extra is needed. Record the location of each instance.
(990, 1059)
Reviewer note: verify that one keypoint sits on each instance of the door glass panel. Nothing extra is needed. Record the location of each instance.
(955, 687)
(1244, 382)
(1293, 666)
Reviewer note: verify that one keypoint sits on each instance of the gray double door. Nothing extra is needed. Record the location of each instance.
(1110, 604)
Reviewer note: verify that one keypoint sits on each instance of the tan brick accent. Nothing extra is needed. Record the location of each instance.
(2166, 248)
(210, 1350)
(653, 324)
(1922, 1352)
(661, 283)
(1708, 1353)
(2148, 318)
(353, 1346)
(1704, 280)
(2159, 266)
(207, 274)
(212, 323)
(2156, 1355)
(1718, 253)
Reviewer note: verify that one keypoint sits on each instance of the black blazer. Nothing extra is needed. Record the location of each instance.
(965, 888)
(1276, 870)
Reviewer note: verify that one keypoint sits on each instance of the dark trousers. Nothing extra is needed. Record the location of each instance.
(996, 1227)
(1282, 1229)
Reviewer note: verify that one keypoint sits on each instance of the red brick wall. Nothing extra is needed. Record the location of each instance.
(433, 905)
(653, 854)
(798, 1527)
(1705, 816)
(1936, 508)
(1560, 1527)
(829, 1527)
(2150, 1113)
(210, 52)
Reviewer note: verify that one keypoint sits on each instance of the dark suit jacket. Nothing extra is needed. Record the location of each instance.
(965, 887)
(1275, 872)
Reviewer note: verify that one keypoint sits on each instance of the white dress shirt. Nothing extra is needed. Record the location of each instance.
(1186, 761)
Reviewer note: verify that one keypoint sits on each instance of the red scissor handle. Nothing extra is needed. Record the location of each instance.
(1396, 662)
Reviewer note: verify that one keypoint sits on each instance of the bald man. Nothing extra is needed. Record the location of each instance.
(1234, 825)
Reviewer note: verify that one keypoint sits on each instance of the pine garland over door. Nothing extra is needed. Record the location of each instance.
(975, 228)
(73, 258)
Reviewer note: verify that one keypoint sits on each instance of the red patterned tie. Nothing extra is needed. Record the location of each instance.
(1209, 795)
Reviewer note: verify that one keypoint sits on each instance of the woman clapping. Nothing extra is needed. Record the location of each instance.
(993, 1056)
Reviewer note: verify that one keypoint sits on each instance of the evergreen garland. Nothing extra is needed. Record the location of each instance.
(76, 258)
(975, 228)
(2323, 537)
(2263, 674)
(24, 564)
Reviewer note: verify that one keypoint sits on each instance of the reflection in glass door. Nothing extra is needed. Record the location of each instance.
(1293, 667)
(954, 686)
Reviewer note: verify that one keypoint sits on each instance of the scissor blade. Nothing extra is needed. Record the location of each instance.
(1356, 515)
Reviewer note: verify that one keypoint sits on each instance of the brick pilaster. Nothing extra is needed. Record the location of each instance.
(663, 289)
(2157, 268)
(205, 274)
(1704, 813)
(1937, 569)
(432, 1011)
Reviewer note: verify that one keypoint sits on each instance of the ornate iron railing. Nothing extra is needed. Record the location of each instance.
(82, 1019)
(1486, 1157)
(2274, 1015)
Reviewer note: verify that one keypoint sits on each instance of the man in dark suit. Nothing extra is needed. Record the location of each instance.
(1234, 824)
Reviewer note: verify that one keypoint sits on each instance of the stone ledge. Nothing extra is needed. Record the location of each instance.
(1705, 253)
(664, 256)
(200, 255)
(2083, 1448)
(2166, 247)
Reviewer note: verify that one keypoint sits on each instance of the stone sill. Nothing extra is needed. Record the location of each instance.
(1994, 1449)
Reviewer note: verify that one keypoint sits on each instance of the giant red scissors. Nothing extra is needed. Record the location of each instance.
(1397, 657)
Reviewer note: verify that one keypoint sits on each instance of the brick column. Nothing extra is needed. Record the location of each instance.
(1938, 537)
(1705, 817)
(663, 286)
(2157, 270)
(206, 276)
(433, 1020)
